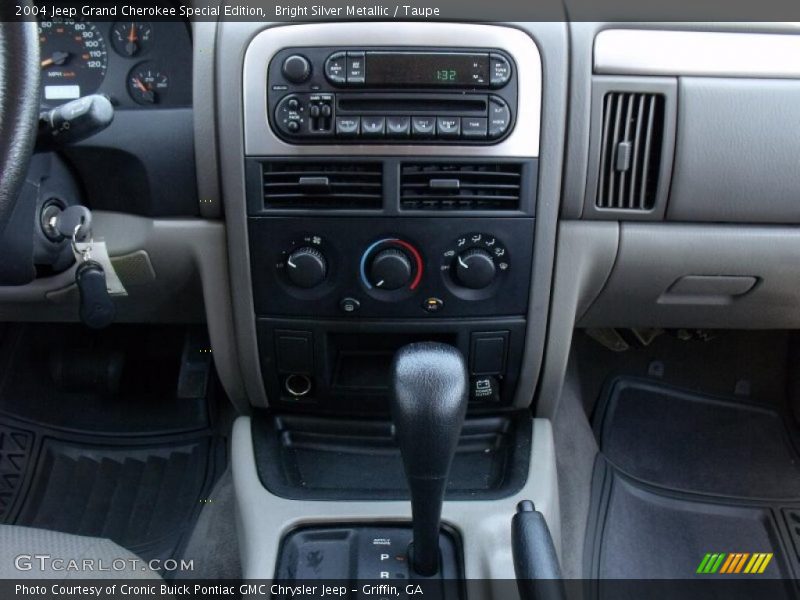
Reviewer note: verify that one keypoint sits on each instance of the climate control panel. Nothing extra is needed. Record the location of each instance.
(391, 267)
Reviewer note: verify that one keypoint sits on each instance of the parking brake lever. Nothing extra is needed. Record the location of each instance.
(535, 559)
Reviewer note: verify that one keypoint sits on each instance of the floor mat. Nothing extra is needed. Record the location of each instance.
(120, 380)
(143, 493)
(129, 462)
(695, 443)
(682, 475)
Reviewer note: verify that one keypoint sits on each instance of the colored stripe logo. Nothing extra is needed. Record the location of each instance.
(734, 563)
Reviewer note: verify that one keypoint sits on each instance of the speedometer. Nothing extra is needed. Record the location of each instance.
(74, 60)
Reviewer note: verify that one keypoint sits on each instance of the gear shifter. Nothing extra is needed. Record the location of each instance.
(429, 401)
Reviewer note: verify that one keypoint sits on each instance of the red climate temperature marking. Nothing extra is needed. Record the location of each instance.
(417, 258)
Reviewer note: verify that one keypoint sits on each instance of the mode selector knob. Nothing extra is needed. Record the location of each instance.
(306, 267)
(296, 68)
(391, 269)
(475, 269)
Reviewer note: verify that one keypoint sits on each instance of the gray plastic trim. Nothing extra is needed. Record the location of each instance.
(205, 133)
(522, 142)
(652, 257)
(585, 257)
(736, 158)
(485, 526)
(644, 52)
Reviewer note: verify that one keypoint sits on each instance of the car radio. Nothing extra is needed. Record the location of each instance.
(363, 95)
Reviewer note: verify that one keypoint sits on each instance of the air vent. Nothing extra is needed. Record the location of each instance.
(630, 151)
(465, 186)
(328, 185)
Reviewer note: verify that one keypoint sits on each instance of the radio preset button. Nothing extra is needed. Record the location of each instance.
(356, 67)
(473, 127)
(373, 126)
(499, 70)
(347, 126)
(423, 126)
(499, 117)
(448, 127)
(398, 126)
(336, 68)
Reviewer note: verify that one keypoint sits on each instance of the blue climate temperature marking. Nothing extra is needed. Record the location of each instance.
(364, 259)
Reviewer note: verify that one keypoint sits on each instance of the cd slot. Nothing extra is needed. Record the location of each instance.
(412, 104)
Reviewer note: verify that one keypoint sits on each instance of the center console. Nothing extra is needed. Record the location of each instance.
(388, 195)
(388, 203)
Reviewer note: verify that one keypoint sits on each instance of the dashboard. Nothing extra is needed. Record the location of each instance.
(374, 262)
(145, 69)
(138, 65)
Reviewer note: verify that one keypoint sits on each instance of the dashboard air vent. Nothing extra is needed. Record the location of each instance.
(467, 186)
(328, 185)
(630, 150)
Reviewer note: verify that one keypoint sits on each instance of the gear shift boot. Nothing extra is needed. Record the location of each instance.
(367, 554)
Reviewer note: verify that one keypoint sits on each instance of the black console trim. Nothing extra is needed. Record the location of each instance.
(359, 554)
(347, 361)
(297, 455)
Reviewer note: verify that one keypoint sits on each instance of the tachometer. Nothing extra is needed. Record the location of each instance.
(74, 60)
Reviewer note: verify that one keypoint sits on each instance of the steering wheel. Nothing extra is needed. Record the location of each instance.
(19, 103)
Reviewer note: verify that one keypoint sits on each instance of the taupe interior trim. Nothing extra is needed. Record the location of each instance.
(698, 53)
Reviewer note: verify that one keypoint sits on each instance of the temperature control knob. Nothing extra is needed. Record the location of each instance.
(391, 269)
(306, 267)
(296, 68)
(475, 269)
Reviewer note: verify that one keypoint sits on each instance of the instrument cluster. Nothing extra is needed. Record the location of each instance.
(137, 64)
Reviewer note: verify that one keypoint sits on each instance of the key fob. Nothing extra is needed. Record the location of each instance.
(97, 310)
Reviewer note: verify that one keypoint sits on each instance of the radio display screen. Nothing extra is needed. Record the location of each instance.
(397, 69)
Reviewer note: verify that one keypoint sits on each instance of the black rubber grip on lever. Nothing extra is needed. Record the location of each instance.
(535, 558)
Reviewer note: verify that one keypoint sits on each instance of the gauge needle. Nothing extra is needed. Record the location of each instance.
(132, 37)
(57, 58)
(147, 94)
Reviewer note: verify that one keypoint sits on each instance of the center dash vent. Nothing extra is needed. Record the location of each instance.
(630, 150)
(328, 185)
(467, 186)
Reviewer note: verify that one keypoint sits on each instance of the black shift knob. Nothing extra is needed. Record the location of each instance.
(429, 401)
